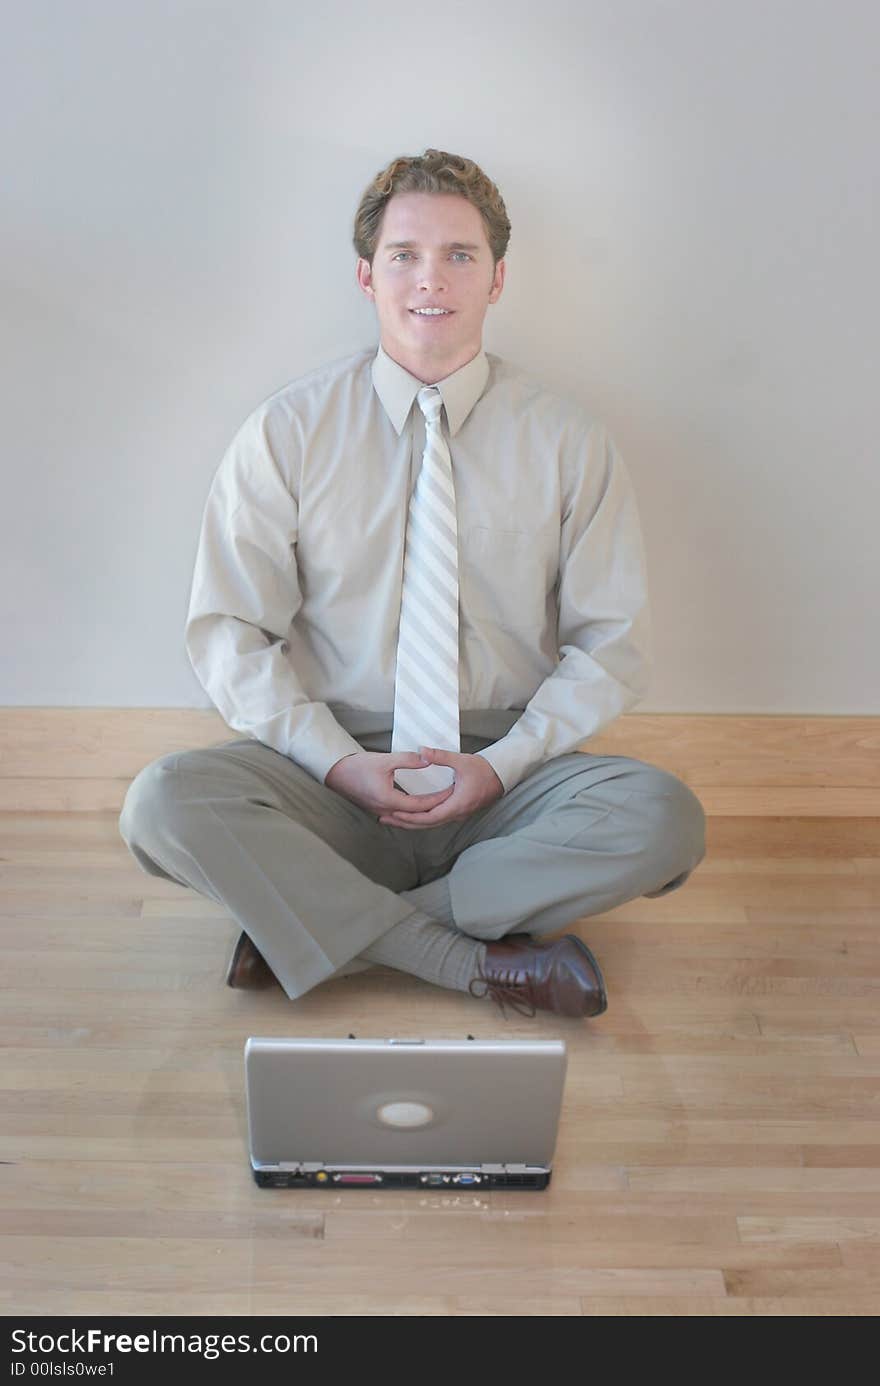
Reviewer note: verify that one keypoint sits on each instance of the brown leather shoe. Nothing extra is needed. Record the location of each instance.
(247, 967)
(559, 975)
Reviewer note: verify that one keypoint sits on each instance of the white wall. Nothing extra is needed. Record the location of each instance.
(693, 191)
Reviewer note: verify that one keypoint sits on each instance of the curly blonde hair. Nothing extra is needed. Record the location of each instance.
(435, 171)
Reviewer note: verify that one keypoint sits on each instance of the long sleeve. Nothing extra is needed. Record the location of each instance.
(245, 594)
(604, 622)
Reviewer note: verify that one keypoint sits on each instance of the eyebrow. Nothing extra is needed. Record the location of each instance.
(450, 245)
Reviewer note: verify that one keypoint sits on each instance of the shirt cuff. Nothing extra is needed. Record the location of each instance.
(513, 757)
(320, 757)
(315, 740)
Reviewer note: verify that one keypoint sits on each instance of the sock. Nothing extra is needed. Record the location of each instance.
(428, 949)
(434, 899)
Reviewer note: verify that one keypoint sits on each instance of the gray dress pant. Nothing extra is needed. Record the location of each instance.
(314, 879)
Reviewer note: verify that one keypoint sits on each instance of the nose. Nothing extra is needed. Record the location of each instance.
(432, 277)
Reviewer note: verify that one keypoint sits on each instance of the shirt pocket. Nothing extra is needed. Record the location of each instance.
(503, 578)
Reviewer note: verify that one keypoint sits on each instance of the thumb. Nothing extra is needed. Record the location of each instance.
(435, 756)
(410, 760)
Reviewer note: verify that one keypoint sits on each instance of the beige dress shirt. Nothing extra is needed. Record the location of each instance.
(295, 606)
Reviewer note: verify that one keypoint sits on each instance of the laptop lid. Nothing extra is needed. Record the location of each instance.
(403, 1112)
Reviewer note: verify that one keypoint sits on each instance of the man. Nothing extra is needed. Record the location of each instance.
(417, 564)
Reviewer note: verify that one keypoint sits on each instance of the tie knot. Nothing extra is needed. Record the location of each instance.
(430, 403)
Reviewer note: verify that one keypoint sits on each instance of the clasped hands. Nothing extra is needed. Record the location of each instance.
(367, 779)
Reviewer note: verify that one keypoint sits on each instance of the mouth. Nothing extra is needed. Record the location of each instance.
(431, 317)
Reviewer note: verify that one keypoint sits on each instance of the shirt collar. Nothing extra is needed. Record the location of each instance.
(397, 389)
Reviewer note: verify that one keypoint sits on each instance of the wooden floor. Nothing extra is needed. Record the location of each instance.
(720, 1144)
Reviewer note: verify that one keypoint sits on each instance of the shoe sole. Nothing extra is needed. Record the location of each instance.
(232, 967)
(254, 976)
(603, 995)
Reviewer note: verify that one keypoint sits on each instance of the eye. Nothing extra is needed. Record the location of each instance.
(463, 253)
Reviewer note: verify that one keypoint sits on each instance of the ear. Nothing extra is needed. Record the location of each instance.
(497, 282)
(365, 278)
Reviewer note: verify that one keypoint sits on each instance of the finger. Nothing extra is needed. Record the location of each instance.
(420, 820)
(440, 757)
(408, 828)
(394, 822)
(418, 803)
(407, 760)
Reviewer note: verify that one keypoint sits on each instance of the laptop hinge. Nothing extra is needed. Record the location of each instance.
(297, 1166)
(312, 1166)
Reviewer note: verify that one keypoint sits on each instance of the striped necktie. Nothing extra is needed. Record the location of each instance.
(426, 687)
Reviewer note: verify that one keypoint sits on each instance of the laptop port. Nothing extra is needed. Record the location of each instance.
(357, 1179)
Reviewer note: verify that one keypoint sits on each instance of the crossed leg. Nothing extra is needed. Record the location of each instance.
(316, 881)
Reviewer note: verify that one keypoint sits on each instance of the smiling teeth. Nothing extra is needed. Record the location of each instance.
(430, 312)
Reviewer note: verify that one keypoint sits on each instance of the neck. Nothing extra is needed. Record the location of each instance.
(425, 369)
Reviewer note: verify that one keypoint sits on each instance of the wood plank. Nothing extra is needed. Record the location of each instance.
(82, 759)
(745, 749)
(272, 1303)
(845, 1306)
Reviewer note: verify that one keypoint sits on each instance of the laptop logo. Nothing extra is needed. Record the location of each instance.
(407, 1115)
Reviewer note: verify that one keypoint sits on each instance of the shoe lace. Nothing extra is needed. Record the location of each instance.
(506, 985)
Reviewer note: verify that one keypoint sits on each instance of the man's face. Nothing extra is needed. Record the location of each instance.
(445, 262)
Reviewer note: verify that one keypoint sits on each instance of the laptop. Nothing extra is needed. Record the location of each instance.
(403, 1113)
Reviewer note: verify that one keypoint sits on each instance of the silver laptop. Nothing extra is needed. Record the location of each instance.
(403, 1113)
